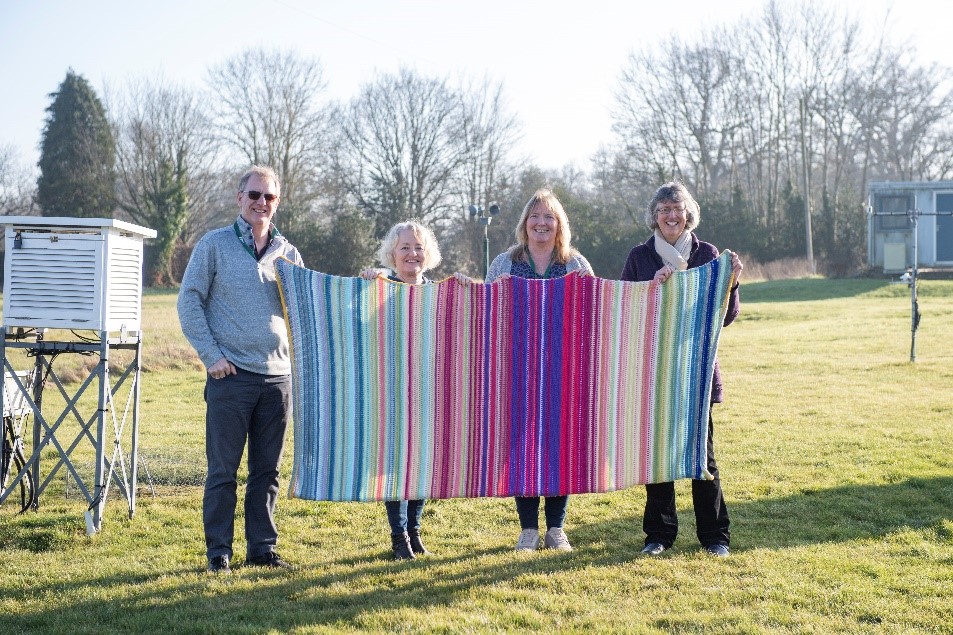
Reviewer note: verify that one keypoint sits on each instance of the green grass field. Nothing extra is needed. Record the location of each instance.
(835, 453)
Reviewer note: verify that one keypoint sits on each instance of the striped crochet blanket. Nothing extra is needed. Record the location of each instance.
(521, 387)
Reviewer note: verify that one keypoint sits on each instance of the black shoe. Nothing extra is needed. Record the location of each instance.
(271, 560)
(401, 545)
(219, 564)
(654, 549)
(718, 549)
(416, 545)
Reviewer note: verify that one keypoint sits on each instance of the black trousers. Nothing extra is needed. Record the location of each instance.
(241, 407)
(660, 522)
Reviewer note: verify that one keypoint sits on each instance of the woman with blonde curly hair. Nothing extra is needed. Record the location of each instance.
(409, 250)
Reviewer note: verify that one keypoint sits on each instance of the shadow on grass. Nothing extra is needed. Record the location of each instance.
(262, 600)
(37, 534)
(815, 516)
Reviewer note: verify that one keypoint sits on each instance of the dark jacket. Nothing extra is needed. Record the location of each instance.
(642, 264)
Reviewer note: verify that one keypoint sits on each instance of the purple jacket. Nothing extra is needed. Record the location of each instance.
(642, 264)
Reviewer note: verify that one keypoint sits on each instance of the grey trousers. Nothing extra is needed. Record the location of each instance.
(239, 407)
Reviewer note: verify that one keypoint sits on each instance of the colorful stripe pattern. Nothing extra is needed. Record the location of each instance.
(521, 387)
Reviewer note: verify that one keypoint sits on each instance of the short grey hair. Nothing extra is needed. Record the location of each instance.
(262, 172)
(432, 257)
(673, 192)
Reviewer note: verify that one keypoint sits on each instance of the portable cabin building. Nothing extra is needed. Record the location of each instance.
(892, 206)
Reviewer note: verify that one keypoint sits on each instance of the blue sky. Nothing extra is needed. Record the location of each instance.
(558, 59)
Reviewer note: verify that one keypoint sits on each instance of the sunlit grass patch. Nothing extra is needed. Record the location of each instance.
(835, 453)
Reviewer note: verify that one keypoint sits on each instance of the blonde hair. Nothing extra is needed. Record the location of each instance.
(385, 253)
(563, 251)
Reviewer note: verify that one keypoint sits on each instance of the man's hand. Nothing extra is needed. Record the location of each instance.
(221, 368)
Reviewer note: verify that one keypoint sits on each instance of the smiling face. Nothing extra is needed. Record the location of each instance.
(258, 213)
(671, 218)
(542, 224)
(409, 256)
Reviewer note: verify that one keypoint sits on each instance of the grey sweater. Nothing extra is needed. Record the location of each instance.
(229, 304)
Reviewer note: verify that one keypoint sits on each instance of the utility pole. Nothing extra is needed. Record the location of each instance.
(806, 170)
(485, 216)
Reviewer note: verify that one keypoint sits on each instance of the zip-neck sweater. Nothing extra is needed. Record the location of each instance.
(229, 304)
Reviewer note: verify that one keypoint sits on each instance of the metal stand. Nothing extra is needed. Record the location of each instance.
(914, 303)
(912, 276)
(485, 216)
(102, 428)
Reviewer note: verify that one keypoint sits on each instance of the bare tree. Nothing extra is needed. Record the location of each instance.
(399, 150)
(269, 110)
(17, 184)
(489, 132)
(679, 109)
(165, 157)
(620, 183)
(910, 137)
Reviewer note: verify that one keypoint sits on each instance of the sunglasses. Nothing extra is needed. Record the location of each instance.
(255, 195)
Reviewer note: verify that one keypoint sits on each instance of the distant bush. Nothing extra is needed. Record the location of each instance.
(782, 269)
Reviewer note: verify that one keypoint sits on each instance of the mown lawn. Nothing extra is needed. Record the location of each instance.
(835, 453)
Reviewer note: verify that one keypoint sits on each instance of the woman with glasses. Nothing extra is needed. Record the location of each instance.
(409, 250)
(673, 246)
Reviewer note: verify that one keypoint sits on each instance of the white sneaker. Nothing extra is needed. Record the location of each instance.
(556, 539)
(528, 541)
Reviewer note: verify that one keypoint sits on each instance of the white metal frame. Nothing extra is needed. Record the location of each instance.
(110, 302)
(102, 428)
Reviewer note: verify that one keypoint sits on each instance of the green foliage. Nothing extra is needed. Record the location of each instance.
(345, 247)
(728, 224)
(840, 232)
(164, 207)
(77, 161)
(601, 236)
(731, 223)
(789, 238)
(834, 454)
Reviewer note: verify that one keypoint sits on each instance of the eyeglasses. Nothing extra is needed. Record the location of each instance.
(670, 210)
(255, 195)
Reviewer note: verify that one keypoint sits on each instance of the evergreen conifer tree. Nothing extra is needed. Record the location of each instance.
(78, 154)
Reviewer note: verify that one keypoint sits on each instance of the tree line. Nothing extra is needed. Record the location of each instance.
(777, 123)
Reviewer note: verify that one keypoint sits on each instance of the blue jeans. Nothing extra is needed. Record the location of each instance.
(528, 509)
(404, 515)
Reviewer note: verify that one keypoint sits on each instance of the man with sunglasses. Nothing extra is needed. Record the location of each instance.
(231, 313)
